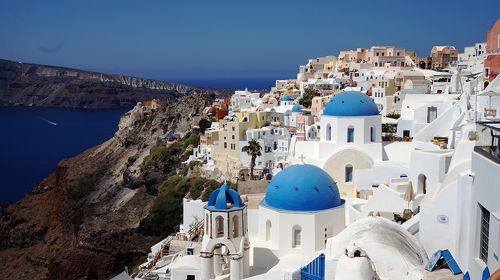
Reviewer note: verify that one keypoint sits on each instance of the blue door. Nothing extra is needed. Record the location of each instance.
(315, 270)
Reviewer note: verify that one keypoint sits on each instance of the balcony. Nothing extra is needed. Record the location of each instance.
(493, 51)
(488, 139)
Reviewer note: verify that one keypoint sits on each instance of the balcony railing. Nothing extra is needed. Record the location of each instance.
(493, 51)
(487, 140)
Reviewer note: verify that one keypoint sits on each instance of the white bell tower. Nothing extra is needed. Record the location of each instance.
(225, 236)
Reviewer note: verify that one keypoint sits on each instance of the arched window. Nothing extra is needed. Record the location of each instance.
(236, 226)
(297, 233)
(268, 230)
(328, 132)
(350, 134)
(372, 134)
(348, 173)
(219, 226)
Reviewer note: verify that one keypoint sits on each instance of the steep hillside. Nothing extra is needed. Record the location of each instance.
(92, 216)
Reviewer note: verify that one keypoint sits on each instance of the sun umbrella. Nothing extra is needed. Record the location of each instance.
(409, 194)
(490, 93)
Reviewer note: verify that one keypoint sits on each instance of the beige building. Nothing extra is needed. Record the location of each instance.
(379, 56)
(405, 75)
(231, 134)
(383, 89)
(383, 85)
(315, 68)
(318, 103)
(442, 56)
(211, 137)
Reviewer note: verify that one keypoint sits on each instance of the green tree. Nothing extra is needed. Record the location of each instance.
(203, 124)
(306, 99)
(393, 115)
(252, 149)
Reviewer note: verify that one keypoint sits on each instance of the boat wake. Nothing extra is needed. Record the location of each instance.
(48, 121)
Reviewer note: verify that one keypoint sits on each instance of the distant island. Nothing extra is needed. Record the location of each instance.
(27, 84)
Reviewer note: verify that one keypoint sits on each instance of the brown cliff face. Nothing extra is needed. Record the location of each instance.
(26, 84)
(85, 221)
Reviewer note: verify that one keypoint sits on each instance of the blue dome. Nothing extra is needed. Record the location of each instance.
(351, 104)
(224, 198)
(286, 98)
(297, 109)
(302, 188)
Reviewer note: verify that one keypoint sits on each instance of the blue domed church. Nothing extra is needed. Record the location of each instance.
(302, 208)
(350, 139)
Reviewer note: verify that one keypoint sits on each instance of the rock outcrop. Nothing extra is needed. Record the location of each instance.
(91, 217)
(26, 84)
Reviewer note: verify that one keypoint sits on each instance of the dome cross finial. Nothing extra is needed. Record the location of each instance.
(302, 158)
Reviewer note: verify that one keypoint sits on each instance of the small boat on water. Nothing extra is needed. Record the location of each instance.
(48, 121)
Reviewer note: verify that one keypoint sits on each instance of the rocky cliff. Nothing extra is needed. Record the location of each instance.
(25, 84)
(92, 216)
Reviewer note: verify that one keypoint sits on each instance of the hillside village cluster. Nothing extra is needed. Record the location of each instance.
(373, 164)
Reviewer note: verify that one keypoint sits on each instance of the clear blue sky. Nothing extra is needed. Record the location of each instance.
(184, 39)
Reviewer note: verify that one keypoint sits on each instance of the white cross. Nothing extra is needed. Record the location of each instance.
(302, 158)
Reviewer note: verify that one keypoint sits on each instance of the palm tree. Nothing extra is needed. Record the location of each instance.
(252, 149)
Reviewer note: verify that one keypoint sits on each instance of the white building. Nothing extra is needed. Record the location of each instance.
(202, 153)
(274, 141)
(418, 110)
(244, 100)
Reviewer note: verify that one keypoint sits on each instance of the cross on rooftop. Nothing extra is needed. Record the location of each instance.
(302, 158)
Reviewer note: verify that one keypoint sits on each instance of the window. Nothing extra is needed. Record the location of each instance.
(350, 134)
(328, 132)
(348, 173)
(191, 277)
(485, 234)
(268, 230)
(219, 225)
(431, 114)
(225, 145)
(236, 225)
(297, 231)
(372, 134)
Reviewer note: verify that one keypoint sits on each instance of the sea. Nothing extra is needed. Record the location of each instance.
(34, 139)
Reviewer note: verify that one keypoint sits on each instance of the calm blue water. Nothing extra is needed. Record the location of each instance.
(31, 146)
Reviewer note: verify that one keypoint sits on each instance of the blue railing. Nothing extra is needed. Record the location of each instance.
(315, 270)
